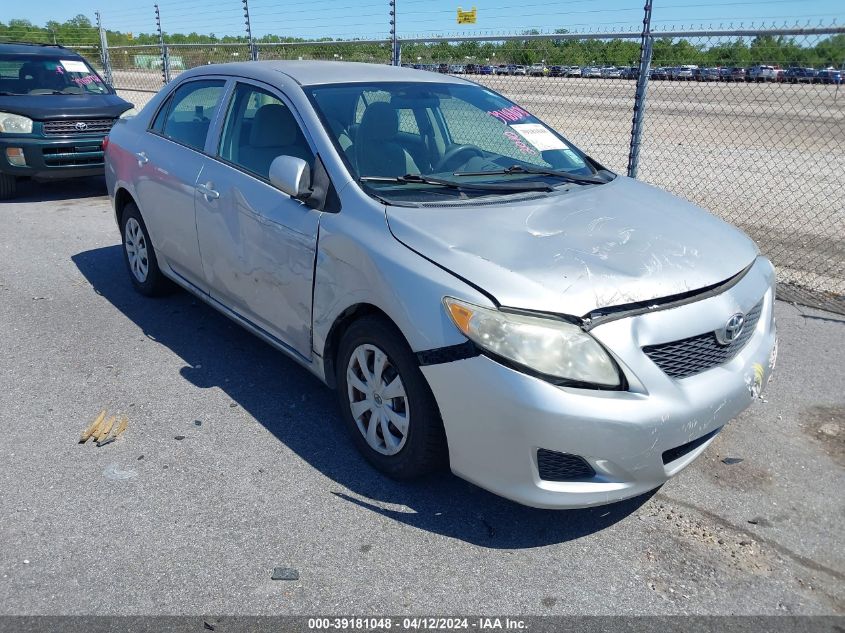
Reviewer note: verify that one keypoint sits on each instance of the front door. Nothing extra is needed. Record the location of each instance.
(257, 243)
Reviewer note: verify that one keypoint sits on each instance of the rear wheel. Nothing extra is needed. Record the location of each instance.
(386, 402)
(139, 255)
(8, 186)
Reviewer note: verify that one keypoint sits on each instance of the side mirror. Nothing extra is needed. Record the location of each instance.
(292, 176)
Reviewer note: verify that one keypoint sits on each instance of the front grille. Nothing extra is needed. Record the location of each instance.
(554, 466)
(679, 451)
(68, 127)
(73, 155)
(690, 356)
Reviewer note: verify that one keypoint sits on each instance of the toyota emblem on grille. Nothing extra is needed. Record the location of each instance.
(732, 329)
(81, 125)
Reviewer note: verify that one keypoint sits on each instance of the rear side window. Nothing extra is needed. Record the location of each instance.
(190, 112)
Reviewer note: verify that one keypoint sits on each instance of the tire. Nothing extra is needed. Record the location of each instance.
(143, 268)
(8, 186)
(422, 448)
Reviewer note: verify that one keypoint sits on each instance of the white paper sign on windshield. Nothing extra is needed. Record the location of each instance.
(539, 136)
(74, 66)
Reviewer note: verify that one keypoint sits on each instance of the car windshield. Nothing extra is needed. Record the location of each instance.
(464, 134)
(38, 75)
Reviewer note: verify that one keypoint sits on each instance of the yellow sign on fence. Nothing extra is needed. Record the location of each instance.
(467, 17)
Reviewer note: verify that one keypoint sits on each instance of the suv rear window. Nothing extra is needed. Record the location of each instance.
(38, 75)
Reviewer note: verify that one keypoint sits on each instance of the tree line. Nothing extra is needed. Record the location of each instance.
(715, 51)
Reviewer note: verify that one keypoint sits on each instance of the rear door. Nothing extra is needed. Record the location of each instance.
(257, 243)
(170, 159)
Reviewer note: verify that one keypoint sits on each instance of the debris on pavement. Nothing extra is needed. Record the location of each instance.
(284, 573)
(732, 460)
(113, 472)
(92, 428)
(104, 431)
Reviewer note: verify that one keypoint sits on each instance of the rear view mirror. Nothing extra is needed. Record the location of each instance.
(292, 176)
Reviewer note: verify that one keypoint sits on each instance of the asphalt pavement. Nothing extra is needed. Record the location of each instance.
(234, 463)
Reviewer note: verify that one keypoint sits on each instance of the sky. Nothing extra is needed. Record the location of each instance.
(369, 18)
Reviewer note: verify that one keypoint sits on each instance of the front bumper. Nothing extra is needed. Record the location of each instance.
(59, 157)
(496, 418)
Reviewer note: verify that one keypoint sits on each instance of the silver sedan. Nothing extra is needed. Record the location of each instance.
(479, 292)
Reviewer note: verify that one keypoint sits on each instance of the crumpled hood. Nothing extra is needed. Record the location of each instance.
(593, 247)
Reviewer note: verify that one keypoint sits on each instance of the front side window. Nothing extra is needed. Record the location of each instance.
(444, 131)
(190, 112)
(37, 75)
(259, 127)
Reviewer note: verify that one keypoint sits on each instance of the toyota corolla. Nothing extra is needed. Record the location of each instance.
(479, 291)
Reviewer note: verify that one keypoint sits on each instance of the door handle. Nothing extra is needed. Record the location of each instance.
(142, 158)
(208, 192)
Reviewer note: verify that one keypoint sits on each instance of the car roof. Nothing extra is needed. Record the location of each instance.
(40, 50)
(312, 73)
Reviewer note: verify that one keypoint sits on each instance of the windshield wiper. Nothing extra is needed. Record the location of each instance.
(520, 169)
(418, 179)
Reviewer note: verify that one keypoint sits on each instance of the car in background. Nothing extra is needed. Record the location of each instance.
(518, 69)
(705, 74)
(501, 69)
(55, 111)
(761, 73)
(456, 69)
(629, 72)
(611, 72)
(485, 70)
(593, 72)
(573, 71)
(538, 70)
(684, 73)
(732, 73)
(828, 76)
(557, 71)
(795, 75)
(471, 69)
(443, 68)
(443, 293)
(660, 73)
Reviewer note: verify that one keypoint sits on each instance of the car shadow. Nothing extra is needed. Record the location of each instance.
(29, 190)
(277, 393)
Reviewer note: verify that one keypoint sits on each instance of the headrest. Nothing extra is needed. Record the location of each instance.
(379, 123)
(31, 69)
(273, 126)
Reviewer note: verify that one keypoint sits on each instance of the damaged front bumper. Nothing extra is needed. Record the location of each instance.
(497, 418)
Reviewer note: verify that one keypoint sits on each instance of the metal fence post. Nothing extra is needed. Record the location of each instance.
(165, 56)
(104, 51)
(253, 49)
(394, 44)
(640, 95)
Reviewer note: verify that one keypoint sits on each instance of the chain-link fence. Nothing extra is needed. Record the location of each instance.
(749, 124)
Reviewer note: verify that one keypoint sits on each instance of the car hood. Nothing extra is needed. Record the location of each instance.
(592, 247)
(53, 107)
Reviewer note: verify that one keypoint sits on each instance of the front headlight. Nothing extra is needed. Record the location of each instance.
(554, 348)
(15, 123)
(128, 114)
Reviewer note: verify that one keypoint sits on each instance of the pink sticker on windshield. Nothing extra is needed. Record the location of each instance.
(521, 145)
(84, 81)
(509, 115)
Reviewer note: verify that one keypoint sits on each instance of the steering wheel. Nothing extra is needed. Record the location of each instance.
(457, 150)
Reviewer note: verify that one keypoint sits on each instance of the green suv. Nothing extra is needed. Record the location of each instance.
(55, 111)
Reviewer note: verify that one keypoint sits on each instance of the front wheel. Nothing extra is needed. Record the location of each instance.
(139, 255)
(386, 402)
